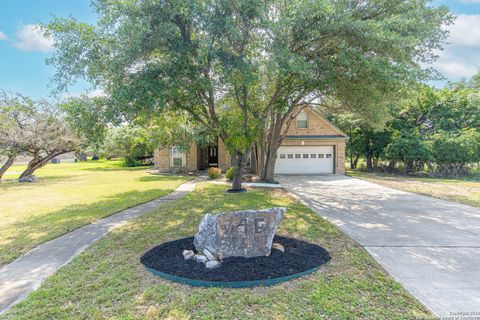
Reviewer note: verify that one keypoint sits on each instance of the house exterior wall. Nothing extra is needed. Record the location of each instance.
(191, 158)
(161, 158)
(224, 159)
(316, 126)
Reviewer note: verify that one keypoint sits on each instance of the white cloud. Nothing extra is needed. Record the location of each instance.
(3, 36)
(466, 31)
(456, 69)
(31, 38)
(461, 56)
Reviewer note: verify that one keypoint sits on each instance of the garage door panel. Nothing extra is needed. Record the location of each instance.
(304, 159)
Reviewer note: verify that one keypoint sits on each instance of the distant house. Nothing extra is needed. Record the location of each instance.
(312, 145)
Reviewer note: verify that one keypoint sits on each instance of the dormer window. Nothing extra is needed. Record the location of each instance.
(302, 120)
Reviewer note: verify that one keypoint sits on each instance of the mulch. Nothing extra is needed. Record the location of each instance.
(299, 256)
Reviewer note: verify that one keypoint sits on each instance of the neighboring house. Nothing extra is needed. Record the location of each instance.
(24, 159)
(311, 145)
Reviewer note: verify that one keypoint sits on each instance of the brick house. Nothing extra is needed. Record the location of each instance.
(311, 145)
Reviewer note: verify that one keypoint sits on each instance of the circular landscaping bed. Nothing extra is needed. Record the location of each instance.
(300, 258)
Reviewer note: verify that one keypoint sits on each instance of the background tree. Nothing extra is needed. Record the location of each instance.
(131, 143)
(434, 128)
(50, 136)
(87, 117)
(16, 113)
(244, 69)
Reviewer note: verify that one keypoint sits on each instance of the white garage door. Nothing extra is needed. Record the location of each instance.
(304, 159)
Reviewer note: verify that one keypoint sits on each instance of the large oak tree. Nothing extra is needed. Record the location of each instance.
(245, 68)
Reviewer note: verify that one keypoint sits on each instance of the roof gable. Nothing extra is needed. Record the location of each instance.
(318, 127)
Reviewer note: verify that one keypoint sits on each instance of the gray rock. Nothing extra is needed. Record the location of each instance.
(200, 258)
(278, 246)
(238, 234)
(188, 254)
(209, 255)
(213, 264)
(28, 179)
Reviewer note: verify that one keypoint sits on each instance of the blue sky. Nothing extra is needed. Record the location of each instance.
(23, 50)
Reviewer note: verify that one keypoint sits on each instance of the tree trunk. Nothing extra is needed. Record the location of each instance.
(391, 165)
(278, 125)
(37, 162)
(369, 163)
(239, 160)
(81, 156)
(351, 159)
(7, 164)
(408, 167)
(355, 162)
(430, 167)
(271, 144)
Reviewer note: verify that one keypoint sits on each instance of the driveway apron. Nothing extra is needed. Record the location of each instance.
(430, 246)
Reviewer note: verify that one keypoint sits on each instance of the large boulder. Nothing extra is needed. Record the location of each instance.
(239, 234)
(29, 179)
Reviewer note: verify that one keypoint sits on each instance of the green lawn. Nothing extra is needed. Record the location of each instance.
(69, 196)
(107, 281)
(457, 190)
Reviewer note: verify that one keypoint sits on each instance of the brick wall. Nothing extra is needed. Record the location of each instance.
(224, 159)
(191, 158)
(162, 159)
(316, 126)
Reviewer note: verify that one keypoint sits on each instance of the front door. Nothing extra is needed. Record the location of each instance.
(212, 156)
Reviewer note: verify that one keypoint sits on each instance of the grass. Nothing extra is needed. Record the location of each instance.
(69, 196)
(108, 282)
(457, 190)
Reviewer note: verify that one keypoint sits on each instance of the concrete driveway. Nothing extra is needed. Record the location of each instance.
(430, 246)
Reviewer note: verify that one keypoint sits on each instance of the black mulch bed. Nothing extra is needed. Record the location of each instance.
(299, 256)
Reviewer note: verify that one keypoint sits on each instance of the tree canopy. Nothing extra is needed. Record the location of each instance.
(437, 127)
(244, 69)
(34, 128)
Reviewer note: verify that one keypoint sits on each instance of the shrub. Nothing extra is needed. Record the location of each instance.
(130, 143)
(214, 173)
(229, 174)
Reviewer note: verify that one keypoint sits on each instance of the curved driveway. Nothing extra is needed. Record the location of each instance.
(432, 247)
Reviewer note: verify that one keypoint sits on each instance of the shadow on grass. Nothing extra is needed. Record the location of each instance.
(152, 178)
(12, 184)
(24, 235)
(116, 167)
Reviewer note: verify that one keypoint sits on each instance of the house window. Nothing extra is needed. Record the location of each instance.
(313, 155)
(320, 155)
(329, 155)
(302, 120)
(305, 156)
(298, 156)
(177, 158)
(282, 156)
(290, 156)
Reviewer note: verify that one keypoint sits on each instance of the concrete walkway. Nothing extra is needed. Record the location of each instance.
(432, 247)
(25, 274)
